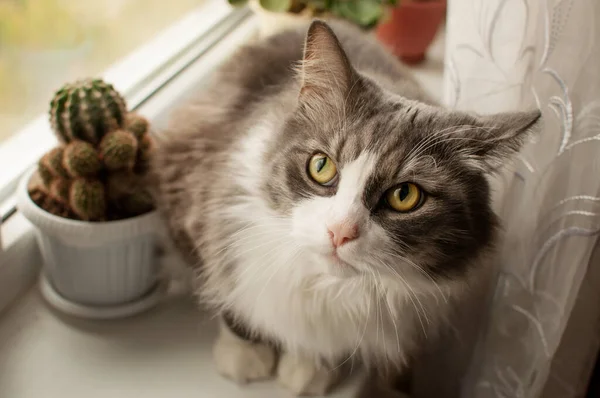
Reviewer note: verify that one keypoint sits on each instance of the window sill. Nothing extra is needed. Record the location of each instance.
(164, 352)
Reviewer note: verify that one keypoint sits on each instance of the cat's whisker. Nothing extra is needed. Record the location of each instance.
(434, 138)
(362, 336)
(428, 139)
(259, 223)
(378, 313)
(276, 243)
(279, 243)
(420, 270)
(250, 237)
(241, 230)
(437, 138)
(269, 231)
(392, 317)
(411, 294)
(277, 269)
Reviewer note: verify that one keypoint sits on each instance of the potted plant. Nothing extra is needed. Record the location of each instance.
(276, 15)
(410, 28)
(95, 220)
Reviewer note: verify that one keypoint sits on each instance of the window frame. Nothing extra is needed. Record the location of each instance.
(204, 38)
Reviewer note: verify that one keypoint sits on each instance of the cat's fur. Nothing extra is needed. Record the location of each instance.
(233, 188)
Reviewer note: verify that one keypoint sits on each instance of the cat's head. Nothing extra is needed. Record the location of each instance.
(377, 183)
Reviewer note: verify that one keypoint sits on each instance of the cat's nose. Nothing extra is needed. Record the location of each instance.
(342, 233)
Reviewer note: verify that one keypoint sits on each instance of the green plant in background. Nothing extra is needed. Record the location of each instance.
(365, 13)
(38, 25)
(97, 171)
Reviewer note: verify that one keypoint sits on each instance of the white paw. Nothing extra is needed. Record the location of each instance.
(240, 360)
(303, 377)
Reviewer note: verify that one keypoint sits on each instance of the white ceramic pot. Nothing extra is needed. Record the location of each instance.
(274, 22)
(95, 264)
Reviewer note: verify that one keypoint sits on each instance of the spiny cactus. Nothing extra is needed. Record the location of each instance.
(87, 199)
(41, 198)
(127, 193)
(59, 190)
(97, 172)
(50, 166)
(137, 124)
(86, 110)
(80, 159)
(118, 150)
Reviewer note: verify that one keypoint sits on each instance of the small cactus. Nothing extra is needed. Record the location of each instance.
(136, 124)
(86, 110)
(120, 184)
(59, 190)
(41, 198)
(45, 173)
(128, 195)
(118, 150)
(97, 173)
(138, 202)
(87, 199)
(80, 159)
(50, 166)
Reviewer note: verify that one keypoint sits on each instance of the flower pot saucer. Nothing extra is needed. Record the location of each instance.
(68, 307)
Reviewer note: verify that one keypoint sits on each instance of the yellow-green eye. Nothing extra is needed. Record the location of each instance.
(322, 169)
(405, 197)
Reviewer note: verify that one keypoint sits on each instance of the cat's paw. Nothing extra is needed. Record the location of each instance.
(303, 377)
(241, 360)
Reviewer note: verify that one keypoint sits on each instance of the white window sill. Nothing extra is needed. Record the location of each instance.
(166, 352)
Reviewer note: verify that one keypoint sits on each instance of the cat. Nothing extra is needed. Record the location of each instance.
(332, 210)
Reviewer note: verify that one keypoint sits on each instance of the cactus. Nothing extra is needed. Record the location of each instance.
(41, 198)
(136, 203)
(97, 172)
(136, 124)
(87, 199)
(59, 190)
(127, 193)
(80, 159)
(86, 110)
(118, 150)
(50, 166)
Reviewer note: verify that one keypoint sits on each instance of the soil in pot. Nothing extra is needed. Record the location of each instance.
(411, 28)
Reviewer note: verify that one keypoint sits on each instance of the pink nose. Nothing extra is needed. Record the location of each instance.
(342, 233)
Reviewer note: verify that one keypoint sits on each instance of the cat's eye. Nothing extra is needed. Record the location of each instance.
(404, 197)
(322, 169)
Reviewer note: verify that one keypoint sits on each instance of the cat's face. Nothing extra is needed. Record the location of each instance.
(378, 184)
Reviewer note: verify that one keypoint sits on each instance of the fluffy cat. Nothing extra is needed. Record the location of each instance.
(332, 210)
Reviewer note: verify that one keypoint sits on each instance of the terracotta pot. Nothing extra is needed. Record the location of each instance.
(411, 28)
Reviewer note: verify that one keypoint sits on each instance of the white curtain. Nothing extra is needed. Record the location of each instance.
(540, 329)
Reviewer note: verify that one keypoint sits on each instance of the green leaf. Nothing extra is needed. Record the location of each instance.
(361, 12)
(237, 3)
(276, 5)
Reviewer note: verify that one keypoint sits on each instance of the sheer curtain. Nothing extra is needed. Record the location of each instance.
(538, 334)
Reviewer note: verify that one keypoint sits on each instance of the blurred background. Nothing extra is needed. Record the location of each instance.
(45, 43)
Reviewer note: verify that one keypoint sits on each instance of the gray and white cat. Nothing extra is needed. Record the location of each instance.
(332, 209)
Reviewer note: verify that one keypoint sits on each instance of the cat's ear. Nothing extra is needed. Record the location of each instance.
(325, 71)
(490, 140)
